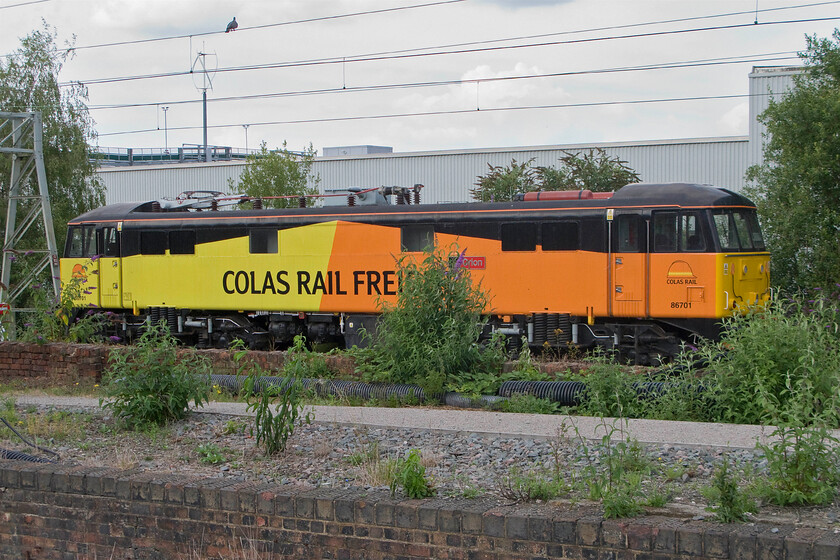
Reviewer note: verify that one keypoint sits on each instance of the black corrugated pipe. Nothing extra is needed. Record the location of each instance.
(324, 387)
(360, 389)
(570, 393)
(567, 393)
(464, 401)
(18, 456)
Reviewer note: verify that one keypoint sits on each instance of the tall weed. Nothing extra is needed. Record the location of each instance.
(273, 428)
(149, 383)
(429, 337)
(778, 364)
(728, 501)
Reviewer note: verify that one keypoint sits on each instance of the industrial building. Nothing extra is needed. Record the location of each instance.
(449, 174)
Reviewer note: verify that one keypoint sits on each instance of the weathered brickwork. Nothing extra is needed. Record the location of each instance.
(58, 364)
(55, 512)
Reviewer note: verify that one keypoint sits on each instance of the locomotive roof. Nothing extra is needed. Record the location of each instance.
(645, 195)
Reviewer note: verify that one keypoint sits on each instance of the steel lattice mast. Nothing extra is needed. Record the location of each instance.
(28, 199)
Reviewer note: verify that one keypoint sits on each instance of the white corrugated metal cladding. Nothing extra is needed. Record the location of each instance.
(449, 175)
(446, 175)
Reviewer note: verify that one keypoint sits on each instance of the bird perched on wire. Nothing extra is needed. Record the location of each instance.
(232, 26)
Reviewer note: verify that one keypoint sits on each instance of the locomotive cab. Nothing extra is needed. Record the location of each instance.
(92, 257)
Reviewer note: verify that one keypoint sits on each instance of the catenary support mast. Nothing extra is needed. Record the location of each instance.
(27, 209)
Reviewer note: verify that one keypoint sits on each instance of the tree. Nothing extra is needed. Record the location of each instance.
(596, 171)
(797, 187)
(278, 173)
(29, 82)
(504, 183)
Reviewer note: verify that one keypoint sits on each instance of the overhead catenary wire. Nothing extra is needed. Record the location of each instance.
(19, 4)
(487, 41)
(240, 29)
(745, 59)
(377, 58)
(450, 112)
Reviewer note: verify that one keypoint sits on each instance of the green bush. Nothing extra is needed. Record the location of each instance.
(411, 475)
(58, 318)
(608, 389)
(802, 466)
(613, 475)
(210, 454)
(429, 337)
(529, 404)
(779, 364)
(772, 362)
(150, 384)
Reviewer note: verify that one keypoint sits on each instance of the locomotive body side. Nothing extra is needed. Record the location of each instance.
(653, 264)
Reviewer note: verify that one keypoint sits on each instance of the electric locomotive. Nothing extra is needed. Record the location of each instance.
(638, 271)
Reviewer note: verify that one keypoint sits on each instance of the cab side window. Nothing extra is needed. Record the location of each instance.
(75, 242)
(665, 232)
(81, 242)
(111, 242)
(629, 234)
(673, 232)
(691, 234)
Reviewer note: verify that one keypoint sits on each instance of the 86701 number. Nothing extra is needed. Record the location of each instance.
(680, 305)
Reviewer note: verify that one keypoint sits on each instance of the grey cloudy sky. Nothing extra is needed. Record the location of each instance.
(334, 100)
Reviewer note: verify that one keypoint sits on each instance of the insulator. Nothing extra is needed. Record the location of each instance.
(257, 204)
(407, 196)
(214, 204)
(155, 206)
(400, 198)
(351, 200)
(416, 195)
(302, 201)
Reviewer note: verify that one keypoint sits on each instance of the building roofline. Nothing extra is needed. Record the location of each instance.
(765, 71)
(497, 150)
(548, 147)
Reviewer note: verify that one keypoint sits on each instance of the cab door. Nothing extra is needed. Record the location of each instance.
(110, 267)
(80, 266)
(629, 266)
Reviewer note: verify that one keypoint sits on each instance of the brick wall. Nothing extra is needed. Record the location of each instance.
(57, 512)
(58, 363)
(63, 364)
